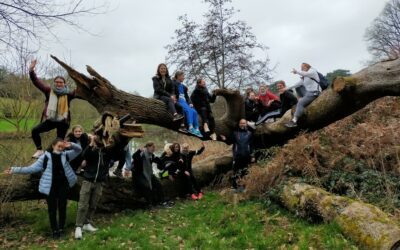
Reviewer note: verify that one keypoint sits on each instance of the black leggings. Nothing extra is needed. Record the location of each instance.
(48, 125)
(57, 200)
(207, 117)
(169, 102)
(240, 165)
(189, 183)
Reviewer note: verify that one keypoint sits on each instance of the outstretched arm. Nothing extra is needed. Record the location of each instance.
(35, 80)
(34, 168)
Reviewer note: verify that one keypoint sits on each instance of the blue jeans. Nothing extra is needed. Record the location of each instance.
(190, 114)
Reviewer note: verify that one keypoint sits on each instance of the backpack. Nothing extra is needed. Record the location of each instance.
(323, 82)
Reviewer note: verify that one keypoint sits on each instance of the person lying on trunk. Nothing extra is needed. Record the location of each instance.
(143, 179)
(78, 136)
(191, 115)
(309, 79)
(269, 104)
(57, 177)
(56, 112)
(171, 160)
(164, 90)
(97, 160)
(201, 100)
(186, 173)
(288, 99)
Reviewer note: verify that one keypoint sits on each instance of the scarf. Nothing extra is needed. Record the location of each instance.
(57, 108)
(147, 167)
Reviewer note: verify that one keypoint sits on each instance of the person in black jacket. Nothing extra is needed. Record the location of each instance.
(186, 173)
(164, 90)
(78, 136)
(242, 149)
(171, 160)
(288, 99)
(201, 100)
(143, 179)
(96, 164)
(251, 106)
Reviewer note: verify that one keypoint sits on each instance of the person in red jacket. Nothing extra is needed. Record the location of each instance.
(56, 112)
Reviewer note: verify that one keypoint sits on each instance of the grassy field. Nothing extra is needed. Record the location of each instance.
(212, 223)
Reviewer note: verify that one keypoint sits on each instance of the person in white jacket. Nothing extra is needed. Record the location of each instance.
(309, 79)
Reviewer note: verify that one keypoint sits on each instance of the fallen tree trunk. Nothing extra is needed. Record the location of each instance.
(365, 224)
(117, 193)
(346, 96)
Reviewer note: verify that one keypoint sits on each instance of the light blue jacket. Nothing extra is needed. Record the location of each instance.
(47, 176)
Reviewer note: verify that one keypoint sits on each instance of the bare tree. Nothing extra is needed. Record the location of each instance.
(221, 50)
(31, 20)
(383, 36)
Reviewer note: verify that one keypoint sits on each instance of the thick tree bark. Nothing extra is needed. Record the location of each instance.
(365, 224)
(117, 193)
(346, 96)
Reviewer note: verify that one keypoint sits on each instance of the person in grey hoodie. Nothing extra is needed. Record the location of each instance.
(57, 178)
(309, 78)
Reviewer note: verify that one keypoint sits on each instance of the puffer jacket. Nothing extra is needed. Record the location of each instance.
(47, 176)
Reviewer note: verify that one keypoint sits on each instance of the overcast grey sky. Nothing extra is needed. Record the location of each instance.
(131, 37)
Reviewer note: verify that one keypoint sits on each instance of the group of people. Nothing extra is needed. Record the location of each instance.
(69, 154)
(265, 106)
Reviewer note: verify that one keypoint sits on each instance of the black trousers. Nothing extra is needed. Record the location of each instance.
(169, 102)
(47, 125)
(207, 117)
(190, 185)
(240, 165)
(152, 195)
(57, 201)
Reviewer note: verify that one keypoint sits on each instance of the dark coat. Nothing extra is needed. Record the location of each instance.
(84, 142)
(242, 143)
(251, 108)
(187, 159)
(137, 162)
(288, 100)
(161, 89)
(97, 163)
(202, 98)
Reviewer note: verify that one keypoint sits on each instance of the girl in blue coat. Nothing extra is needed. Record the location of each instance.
(57, 178)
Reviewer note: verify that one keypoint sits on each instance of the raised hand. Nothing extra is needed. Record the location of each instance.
(32, 65)
(7, 171)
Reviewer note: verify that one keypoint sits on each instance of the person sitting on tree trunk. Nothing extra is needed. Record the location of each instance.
(251, 108)
(186, 173)
(97, 161)
(309, 79)
(201, 100)
(243, 153)
(191, 116)
(56, 113)
(57, 177)
(164, 90)
(288, 99)
(143, 179)
(78, 136)
(269, 104)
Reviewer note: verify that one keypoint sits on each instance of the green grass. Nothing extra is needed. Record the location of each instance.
(212, 223)
(6, 127)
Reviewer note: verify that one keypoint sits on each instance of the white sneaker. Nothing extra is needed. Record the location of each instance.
(78, 233)
(37, 154)
(88, 227)
(251, 125)
(213, 136)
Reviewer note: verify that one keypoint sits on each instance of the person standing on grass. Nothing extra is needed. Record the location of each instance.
(56, 112)
(97, 161)
(164, 90)
(78, 136)
(201, 100)
(57, 178)
(309, 79)
(143, 179)
(186, 173)
(242, 150)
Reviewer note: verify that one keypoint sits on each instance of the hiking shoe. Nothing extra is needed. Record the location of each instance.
(200, 196)
(56, 235)
(78, 233)
(196, 132)
(118, 172)
(177, 117)
(166, 204)
(183, 129)
(88, 227)
(291, 124)
(194, 197)
(37, 154)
